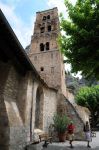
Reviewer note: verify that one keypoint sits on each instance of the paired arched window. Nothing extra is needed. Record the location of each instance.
(46, 17)
(46, 46)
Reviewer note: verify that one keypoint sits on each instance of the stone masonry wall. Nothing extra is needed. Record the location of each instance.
(83, 112)
(50, 107)
(64, 106)
(15, 92)
(51, 71)
(17, 133)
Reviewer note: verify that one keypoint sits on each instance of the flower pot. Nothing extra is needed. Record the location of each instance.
(62, 137)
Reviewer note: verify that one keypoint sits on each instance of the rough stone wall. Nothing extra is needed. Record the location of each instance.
(10, 97)
(50, 69)
(65, 107)
(15, 104)
(63, 84)
(50, 107)
(70, 97)
(83, 112)
(14, 107)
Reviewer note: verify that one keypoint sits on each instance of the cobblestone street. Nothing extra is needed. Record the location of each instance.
(78, 145)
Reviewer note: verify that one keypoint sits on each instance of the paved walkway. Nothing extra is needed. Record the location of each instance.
(78, 145)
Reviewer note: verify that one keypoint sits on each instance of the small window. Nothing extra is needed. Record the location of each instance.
(41, 47)
(48, 17)
(42, 29)
(49, 28)
(44, 17)
(42, 69)
(47, 46)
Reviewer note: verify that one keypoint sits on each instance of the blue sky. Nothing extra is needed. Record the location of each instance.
(21, 15)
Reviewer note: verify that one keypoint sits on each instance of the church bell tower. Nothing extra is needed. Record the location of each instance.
(44, 51)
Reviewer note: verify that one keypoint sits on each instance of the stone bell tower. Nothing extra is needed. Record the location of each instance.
(44, 51)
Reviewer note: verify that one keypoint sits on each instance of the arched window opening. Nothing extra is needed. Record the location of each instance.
(47, 46)
(48, 17)
(49, 28)
(41, 47)
(44, 17)
(42, 29)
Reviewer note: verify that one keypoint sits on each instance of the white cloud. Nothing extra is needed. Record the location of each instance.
(57, 3)
(60, 5)
(22, 30)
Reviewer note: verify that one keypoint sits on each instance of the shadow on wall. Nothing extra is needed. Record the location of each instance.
(39, 108)
(4, 122)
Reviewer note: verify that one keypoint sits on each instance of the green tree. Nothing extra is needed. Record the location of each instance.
(80, 43)
(89, 97)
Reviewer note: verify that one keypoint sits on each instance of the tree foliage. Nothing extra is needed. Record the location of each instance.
(80, 44)
(89, 97)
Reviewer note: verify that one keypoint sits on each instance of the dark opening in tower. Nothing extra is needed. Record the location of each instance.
(42, 29)
(41, 47)
(47, 46)
(49, 28)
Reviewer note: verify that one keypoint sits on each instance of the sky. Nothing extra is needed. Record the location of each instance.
(21, 15)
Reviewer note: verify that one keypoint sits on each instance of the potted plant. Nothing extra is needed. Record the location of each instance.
(60, 124)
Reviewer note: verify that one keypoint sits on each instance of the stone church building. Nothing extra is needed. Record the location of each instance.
(32, 84)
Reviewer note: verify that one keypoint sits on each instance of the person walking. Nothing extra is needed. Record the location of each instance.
(70, 130)
(87, 133)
